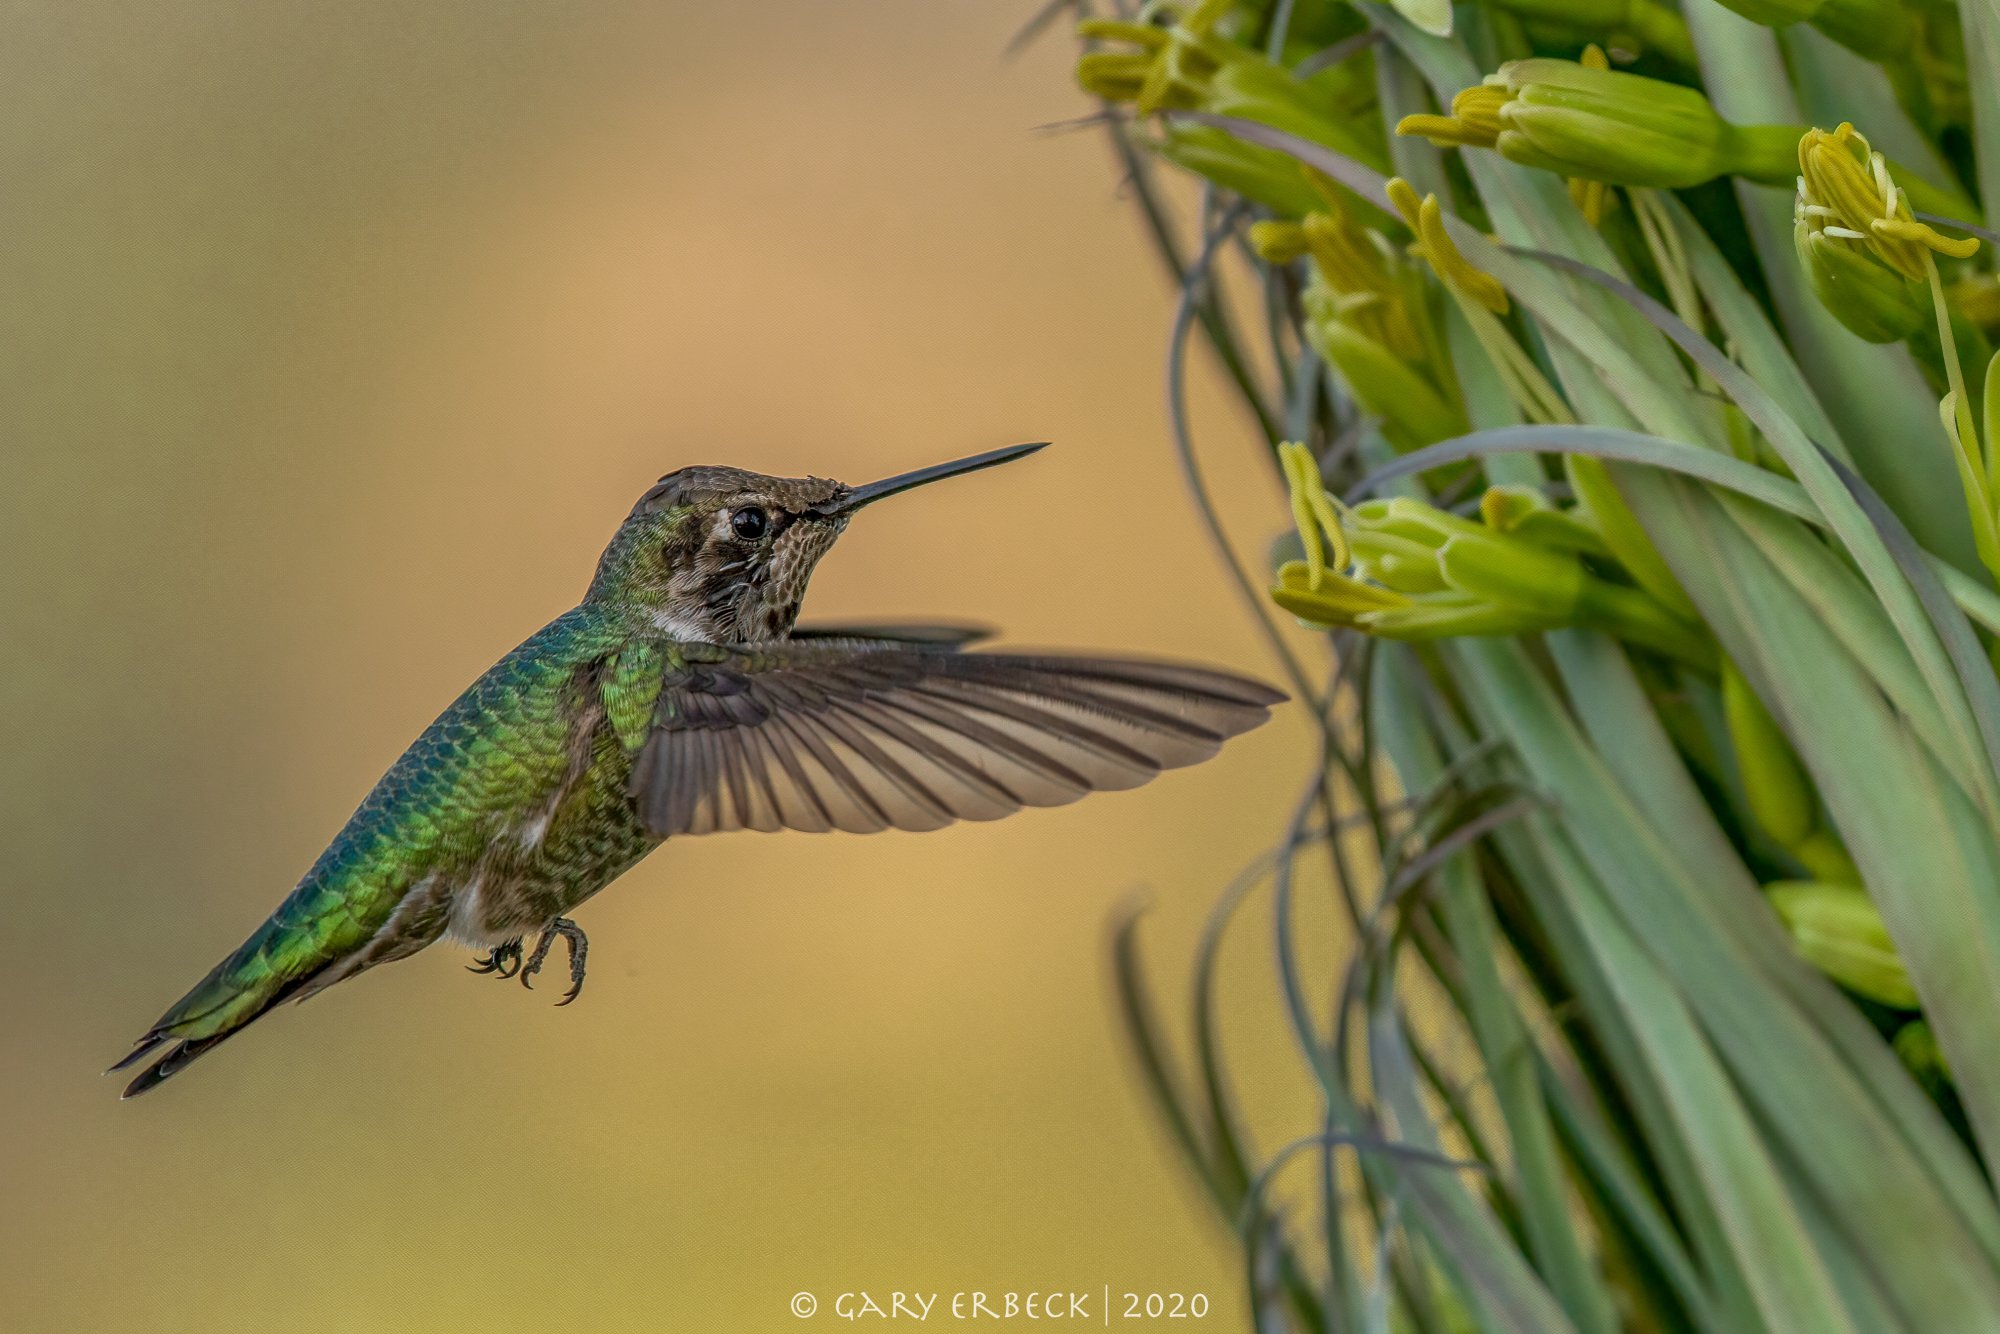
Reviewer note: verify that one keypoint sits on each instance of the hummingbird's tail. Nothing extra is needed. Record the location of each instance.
(159, 1071)
(274, 964)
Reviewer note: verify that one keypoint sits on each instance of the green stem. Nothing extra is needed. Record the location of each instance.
(1968, 452)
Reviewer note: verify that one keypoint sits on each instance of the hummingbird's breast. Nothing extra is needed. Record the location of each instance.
(553, 856)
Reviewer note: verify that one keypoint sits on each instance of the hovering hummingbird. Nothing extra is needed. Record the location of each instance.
(679, 698)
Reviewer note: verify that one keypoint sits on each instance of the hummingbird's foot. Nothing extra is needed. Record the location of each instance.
(504, 959)
(573, 937)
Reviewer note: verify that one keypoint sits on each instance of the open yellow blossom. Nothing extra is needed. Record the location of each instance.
(1426, 219)
(1847, 194)
(1314, 589)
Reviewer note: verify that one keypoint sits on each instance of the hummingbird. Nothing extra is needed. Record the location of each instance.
(681, 697)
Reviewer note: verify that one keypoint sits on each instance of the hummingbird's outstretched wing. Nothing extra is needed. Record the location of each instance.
(867, 735)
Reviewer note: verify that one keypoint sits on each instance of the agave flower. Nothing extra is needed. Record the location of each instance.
(1651, 618)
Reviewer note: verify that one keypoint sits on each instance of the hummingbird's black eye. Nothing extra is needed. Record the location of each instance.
(749, 523)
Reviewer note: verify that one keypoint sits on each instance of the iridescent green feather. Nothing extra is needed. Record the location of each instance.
(631, 691)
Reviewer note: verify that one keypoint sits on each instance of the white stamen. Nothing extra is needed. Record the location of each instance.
(1880, 166)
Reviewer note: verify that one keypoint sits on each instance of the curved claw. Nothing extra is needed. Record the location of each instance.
(578, 945)
(534, 962)
(502, 959)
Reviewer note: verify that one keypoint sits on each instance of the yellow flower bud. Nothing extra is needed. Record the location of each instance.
(1837, 930)
(1625, 129)
(1526, 513)
(1278, 242)
(1484, 581)
(1776, 788)
(1414, 411)
(1271, 178)
(1397, 562)
(1514, 573)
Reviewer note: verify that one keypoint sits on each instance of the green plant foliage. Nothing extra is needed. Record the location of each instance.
(1638, 426)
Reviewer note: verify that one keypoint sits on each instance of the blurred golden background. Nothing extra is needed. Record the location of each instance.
(335, 341)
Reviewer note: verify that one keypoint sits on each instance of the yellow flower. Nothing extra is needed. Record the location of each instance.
(1312, 509)
(1180, 63)
(1314, 589)
(1846, 194)
(1366, 316)
(1351, 263)
(1419, 572)
(1467, 578)
(1873, 300)
(1433, 243)
(1172, 68)
(1585, 119)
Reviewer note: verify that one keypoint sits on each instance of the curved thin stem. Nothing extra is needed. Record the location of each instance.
(1183, 436)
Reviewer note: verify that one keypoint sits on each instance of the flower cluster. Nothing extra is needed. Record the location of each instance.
(1180, 62)
(1404, 569)
(1367, 317)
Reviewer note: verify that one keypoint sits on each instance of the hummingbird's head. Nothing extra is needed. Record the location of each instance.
(723, 555)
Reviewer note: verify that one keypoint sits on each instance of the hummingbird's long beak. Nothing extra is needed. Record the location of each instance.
(855, 497)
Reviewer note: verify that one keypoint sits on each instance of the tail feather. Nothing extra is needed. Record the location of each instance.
(146, 1046)
(250, 1006)
(176, 1059)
